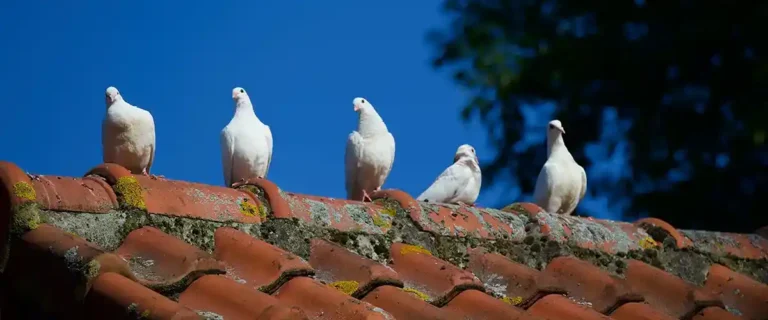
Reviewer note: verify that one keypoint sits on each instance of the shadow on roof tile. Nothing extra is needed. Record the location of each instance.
(256, 263)
(55, 269)
(639, 311)
(557, 307)
(323, 302)
(473, 304)
(232, 300)
(335, 263)
(518, 282)
(440, 280)
(585, 281)
(667, 292)
(161, 261)
(739, 292)
(404, 305)
(116, 297)
(714, 313)
(659, 229)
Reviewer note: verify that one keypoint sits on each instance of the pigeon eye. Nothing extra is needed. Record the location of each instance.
(551, 126)
(242, 91)
(363, 101)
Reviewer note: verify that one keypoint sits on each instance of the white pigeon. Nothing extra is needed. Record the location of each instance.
(370, 153)
(246, 142)
(459, 183)
(127, 134)
(562, 182)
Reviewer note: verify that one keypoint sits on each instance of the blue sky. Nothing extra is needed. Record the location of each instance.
(301, 62)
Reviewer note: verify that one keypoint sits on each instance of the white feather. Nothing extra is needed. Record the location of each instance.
(562, 182)
(459, 183)
(127, 135)
(369, 154)
(246, 143)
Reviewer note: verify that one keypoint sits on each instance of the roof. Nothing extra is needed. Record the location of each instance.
(111, 245)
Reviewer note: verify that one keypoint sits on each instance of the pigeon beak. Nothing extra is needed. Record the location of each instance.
(356, 108)
(562, 130)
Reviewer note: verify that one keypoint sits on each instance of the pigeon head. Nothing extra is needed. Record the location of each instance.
(465, 150)
(238, 93)
(360, 104)
(555, 128)
(112, 95)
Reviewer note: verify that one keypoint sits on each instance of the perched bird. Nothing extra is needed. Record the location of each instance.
(562, 182)
(127, 134)
(370, 153)
(459, 183)
(246, 142)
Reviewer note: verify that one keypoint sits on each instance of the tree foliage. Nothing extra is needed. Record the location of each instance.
(691, 76)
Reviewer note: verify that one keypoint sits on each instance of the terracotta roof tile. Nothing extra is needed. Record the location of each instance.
(473, 304)
(324, 302)
(660, 229)
(233, 300)
(519, 283)
(747, 296)
(405, 305)
(639, 311)
(586, 282)
(88, 194)
(113, 296)
(667, 292)
(256, 263)
(117, 245)
(713, 313)
(555, 307)
(438, 279)
(335, 263)
(162, 266)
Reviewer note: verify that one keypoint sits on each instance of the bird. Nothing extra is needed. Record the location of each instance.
(369, 154)
(127, 134)
(246, 142)
(562, 182)
(459, 183)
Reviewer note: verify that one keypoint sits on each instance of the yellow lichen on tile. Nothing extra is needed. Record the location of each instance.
(146, 314)
(24, 190)
(407, 248)
(417, 293)
(647, 243)
(249, 209)
(513, 301)
(263, 211)
(129, 190)
(389, 211)
(25, 218)
(379, 222)
(347, 286)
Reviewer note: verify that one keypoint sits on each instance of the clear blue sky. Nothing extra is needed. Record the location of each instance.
(302, 63)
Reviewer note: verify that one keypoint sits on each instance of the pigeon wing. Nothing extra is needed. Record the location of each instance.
(352, 156)
(227, 155)
(448, 185)
(268, 136)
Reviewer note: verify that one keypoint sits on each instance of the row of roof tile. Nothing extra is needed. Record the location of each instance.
(152, 274)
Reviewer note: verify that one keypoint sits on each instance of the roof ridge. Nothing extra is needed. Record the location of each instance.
(212, 229)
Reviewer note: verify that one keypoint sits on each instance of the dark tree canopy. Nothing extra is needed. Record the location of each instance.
(691, 76)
